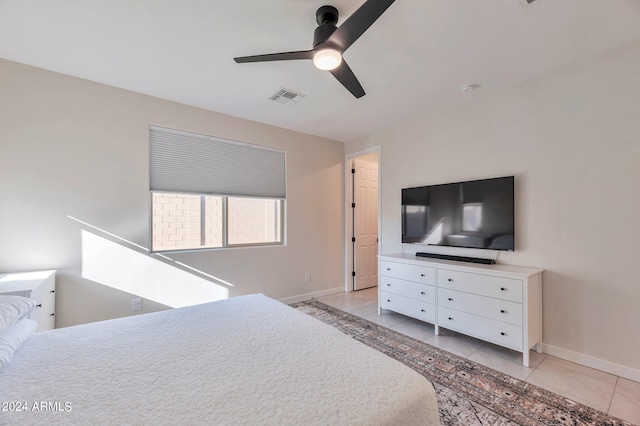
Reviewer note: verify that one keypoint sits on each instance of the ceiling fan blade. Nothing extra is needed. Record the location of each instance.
(348, 79)
(358, 23)
(285, 56)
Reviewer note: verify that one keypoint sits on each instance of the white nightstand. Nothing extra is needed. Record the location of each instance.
(40, 286)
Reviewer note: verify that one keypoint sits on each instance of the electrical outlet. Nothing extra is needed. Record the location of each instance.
(307, 277)
(136, 305)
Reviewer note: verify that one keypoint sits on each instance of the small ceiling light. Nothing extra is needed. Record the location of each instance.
(468, 88)
(327, 59)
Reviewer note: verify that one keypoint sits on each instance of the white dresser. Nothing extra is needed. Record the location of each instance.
(497, 303)
(40, 286)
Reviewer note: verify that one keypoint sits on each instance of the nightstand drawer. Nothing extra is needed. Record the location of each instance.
(44, 314)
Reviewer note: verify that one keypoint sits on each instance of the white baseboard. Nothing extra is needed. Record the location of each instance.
(589, 361)
(307, 296)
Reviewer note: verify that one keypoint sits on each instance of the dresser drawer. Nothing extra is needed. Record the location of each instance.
(403, 271)
(413, 290)
(488, 307)
(484, 285)
(411, 307)
(501, 333)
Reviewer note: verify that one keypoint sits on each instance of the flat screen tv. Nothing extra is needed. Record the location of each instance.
(472, 214)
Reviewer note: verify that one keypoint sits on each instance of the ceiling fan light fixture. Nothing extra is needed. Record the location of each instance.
(330, 42)
(327, 59)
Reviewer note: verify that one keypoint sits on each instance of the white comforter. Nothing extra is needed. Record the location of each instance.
(246, 360)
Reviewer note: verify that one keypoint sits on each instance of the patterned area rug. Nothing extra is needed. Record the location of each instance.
(468, 393)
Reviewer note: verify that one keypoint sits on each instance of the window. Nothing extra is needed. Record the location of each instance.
(188, 171)
(254, 221)
(187, 222)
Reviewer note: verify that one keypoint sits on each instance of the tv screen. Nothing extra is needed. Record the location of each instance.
(473, 214)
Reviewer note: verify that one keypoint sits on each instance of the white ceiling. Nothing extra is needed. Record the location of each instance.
(414, 58)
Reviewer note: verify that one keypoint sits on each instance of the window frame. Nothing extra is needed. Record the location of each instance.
(225, 224)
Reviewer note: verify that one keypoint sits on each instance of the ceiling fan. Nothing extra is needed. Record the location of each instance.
(330, 42)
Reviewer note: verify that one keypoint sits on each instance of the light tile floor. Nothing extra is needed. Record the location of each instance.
(612, 394)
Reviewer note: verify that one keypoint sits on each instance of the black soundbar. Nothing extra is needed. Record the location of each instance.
(460, 258)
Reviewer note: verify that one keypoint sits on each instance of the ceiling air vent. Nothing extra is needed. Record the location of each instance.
(287, 97)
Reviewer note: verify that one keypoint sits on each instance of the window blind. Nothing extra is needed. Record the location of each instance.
(193, 163)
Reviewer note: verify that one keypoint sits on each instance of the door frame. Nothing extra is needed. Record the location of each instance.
(348, 182)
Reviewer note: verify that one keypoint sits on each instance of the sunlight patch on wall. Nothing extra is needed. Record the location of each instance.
(111, 264)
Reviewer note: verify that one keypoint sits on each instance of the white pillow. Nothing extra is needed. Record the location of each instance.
(14, 337)
(12, 308)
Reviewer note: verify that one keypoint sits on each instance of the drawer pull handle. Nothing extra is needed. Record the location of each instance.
(52, 291)
(449, 279)
(422, 292)
(388, 269)
(422, 310)
(502, 289)
(422, 275)
(450, 319)
(52, 315)
(388, 300)
(503, 333)
(388, 285)
(39, 305)
(450, 300)
(502, 311)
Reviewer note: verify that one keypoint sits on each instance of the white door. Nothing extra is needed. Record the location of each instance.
(365, 222)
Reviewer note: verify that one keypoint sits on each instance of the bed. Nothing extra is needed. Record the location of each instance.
(245, 360)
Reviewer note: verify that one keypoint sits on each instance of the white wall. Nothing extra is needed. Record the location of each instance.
(572, 139)
(74, 196)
